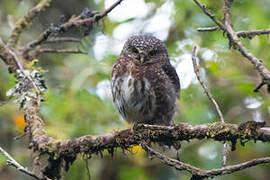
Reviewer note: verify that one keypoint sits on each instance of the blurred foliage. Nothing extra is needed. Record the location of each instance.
(78, 100)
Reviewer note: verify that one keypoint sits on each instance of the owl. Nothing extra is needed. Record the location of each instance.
(145, 86)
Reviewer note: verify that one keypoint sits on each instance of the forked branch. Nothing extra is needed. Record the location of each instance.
(235, 42)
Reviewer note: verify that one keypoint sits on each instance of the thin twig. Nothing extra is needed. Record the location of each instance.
(200, 173)
(211, 98)
(74, 21)
(87, 168)
(209, 14)
(12, 162)
(252, 33)
(64, 39)
(259, 86)
(60, 51)
(206, 91)
(209, 29)
(11, 21)
(243, 34)
(225, 154)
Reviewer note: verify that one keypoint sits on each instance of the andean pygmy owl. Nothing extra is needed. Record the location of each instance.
(145, 85)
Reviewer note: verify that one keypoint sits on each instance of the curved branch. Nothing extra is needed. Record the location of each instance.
(200, 173)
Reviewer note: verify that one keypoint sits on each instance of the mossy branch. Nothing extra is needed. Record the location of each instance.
(7, 57)
(66, 150)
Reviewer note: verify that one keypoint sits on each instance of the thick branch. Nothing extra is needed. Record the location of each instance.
(179, 132)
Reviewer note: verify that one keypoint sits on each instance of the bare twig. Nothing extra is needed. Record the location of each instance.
(60, 51)
(259, 86)
(87, 168)
(200, 173)
(12, 162)
(206, 91)
(243, 34)
(208, 13)
(250, 34)
(11, 21)
(64, 39)
(225, 154)
(211, 98)
(42, 38)
(209, 29)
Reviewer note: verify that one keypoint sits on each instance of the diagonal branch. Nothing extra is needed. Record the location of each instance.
(211, 98)
(206, 91)
(25, 21)
(7, 57)
(86, 18)
(210, 15)
(200, 173)
(12, 162)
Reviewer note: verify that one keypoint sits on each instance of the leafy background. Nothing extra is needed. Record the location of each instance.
(78, 99)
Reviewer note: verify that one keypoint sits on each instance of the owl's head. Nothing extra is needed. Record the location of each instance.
(145, 49)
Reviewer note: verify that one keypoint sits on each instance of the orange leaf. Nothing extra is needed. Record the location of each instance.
(19, 122)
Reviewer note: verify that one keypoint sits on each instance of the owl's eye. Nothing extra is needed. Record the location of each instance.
(134, 51)
(152, 53)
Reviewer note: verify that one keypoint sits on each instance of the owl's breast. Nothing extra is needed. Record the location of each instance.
(133, 97)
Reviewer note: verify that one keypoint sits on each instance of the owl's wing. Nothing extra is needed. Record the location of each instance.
(171, 72)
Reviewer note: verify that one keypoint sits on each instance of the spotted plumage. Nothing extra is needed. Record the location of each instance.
(145, 86)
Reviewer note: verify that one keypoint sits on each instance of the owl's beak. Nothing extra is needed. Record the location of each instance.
(142, 59)
(142, 55)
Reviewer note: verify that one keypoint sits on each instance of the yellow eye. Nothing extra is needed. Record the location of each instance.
(135, 51)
